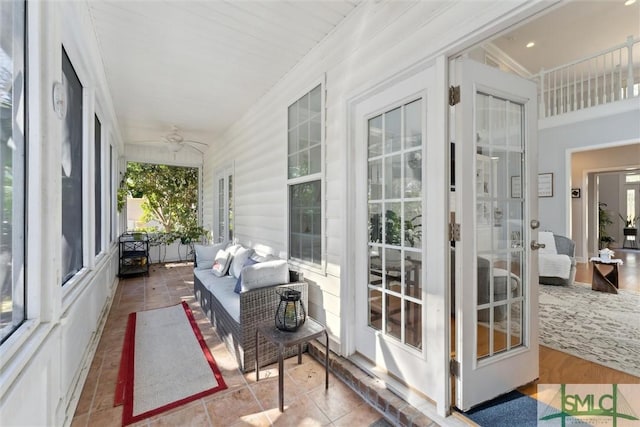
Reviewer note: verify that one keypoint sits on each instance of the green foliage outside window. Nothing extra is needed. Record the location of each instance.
(170, 196)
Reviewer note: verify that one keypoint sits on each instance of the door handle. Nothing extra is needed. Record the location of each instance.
(535, 245)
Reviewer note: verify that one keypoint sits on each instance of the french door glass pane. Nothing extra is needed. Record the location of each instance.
(413, 324)
(375, 136)
(499, 231)
(375, 179)
(413, 224)
(413, 173)
(375, 309)
(393, 135)
(413, 125)
(413, 274)
(394, 179)
(394, 316)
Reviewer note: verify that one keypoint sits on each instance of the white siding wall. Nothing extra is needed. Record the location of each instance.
(375, 42)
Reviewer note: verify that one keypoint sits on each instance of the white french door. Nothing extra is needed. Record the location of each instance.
(399, 290)
(496, 205)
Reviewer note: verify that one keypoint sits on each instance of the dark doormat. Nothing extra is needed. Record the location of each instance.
(508, 410)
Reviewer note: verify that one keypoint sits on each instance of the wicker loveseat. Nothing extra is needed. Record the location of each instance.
(236, 315)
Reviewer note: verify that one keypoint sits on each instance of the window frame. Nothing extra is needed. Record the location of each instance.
(20, 212)
(98, 186)
(228, 205)
(74, 285)
(318, 176)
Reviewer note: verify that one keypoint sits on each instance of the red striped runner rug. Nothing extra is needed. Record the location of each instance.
(165, 363)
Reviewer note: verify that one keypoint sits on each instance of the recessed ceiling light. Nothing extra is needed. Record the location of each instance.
(531, 44)
(629, 2)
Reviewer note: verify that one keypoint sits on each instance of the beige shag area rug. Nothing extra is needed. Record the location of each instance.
(596, 326)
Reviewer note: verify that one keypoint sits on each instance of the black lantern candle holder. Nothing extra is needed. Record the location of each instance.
(291, 313)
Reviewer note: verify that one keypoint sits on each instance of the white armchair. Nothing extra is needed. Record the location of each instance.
(556, 261)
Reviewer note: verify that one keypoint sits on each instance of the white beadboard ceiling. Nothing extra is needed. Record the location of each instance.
(200, 65)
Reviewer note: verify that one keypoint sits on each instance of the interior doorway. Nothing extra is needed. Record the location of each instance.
(601, 175)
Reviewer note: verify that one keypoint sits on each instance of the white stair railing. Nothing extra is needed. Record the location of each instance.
(607, 76)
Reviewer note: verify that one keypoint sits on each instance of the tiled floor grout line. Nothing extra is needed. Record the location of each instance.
(204, 406)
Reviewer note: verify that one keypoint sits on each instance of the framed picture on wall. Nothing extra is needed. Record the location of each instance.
(575, 193)
(545, 185)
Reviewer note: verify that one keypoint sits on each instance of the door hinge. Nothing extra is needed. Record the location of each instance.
(454, 367)
(454, 95)
(454, 232)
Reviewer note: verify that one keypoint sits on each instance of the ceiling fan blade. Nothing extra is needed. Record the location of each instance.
(148, 142)
(191, 141)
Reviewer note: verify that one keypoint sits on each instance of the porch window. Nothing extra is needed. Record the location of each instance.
(12, 161)
(305, 124)
(71, 173)
(305, 222)
(98, 184)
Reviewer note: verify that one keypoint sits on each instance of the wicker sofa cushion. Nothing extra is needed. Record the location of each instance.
(221, 288)
(263, 274)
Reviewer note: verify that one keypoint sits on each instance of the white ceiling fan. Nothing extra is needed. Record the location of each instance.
(175, 141)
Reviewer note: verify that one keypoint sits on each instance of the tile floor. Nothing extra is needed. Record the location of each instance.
(244, 403)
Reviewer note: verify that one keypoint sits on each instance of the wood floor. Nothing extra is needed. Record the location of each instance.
(562, 368)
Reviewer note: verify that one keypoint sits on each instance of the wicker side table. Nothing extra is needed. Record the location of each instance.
(310, 330)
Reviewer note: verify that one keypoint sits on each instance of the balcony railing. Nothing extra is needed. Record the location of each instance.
(605, 77)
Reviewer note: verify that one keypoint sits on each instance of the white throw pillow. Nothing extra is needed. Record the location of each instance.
(266, 273)
(221, 263)
(205, 255)
(232, 249)
(239, 259)
(546, 237)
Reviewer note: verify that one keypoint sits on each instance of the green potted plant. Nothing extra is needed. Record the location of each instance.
(604, 219)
